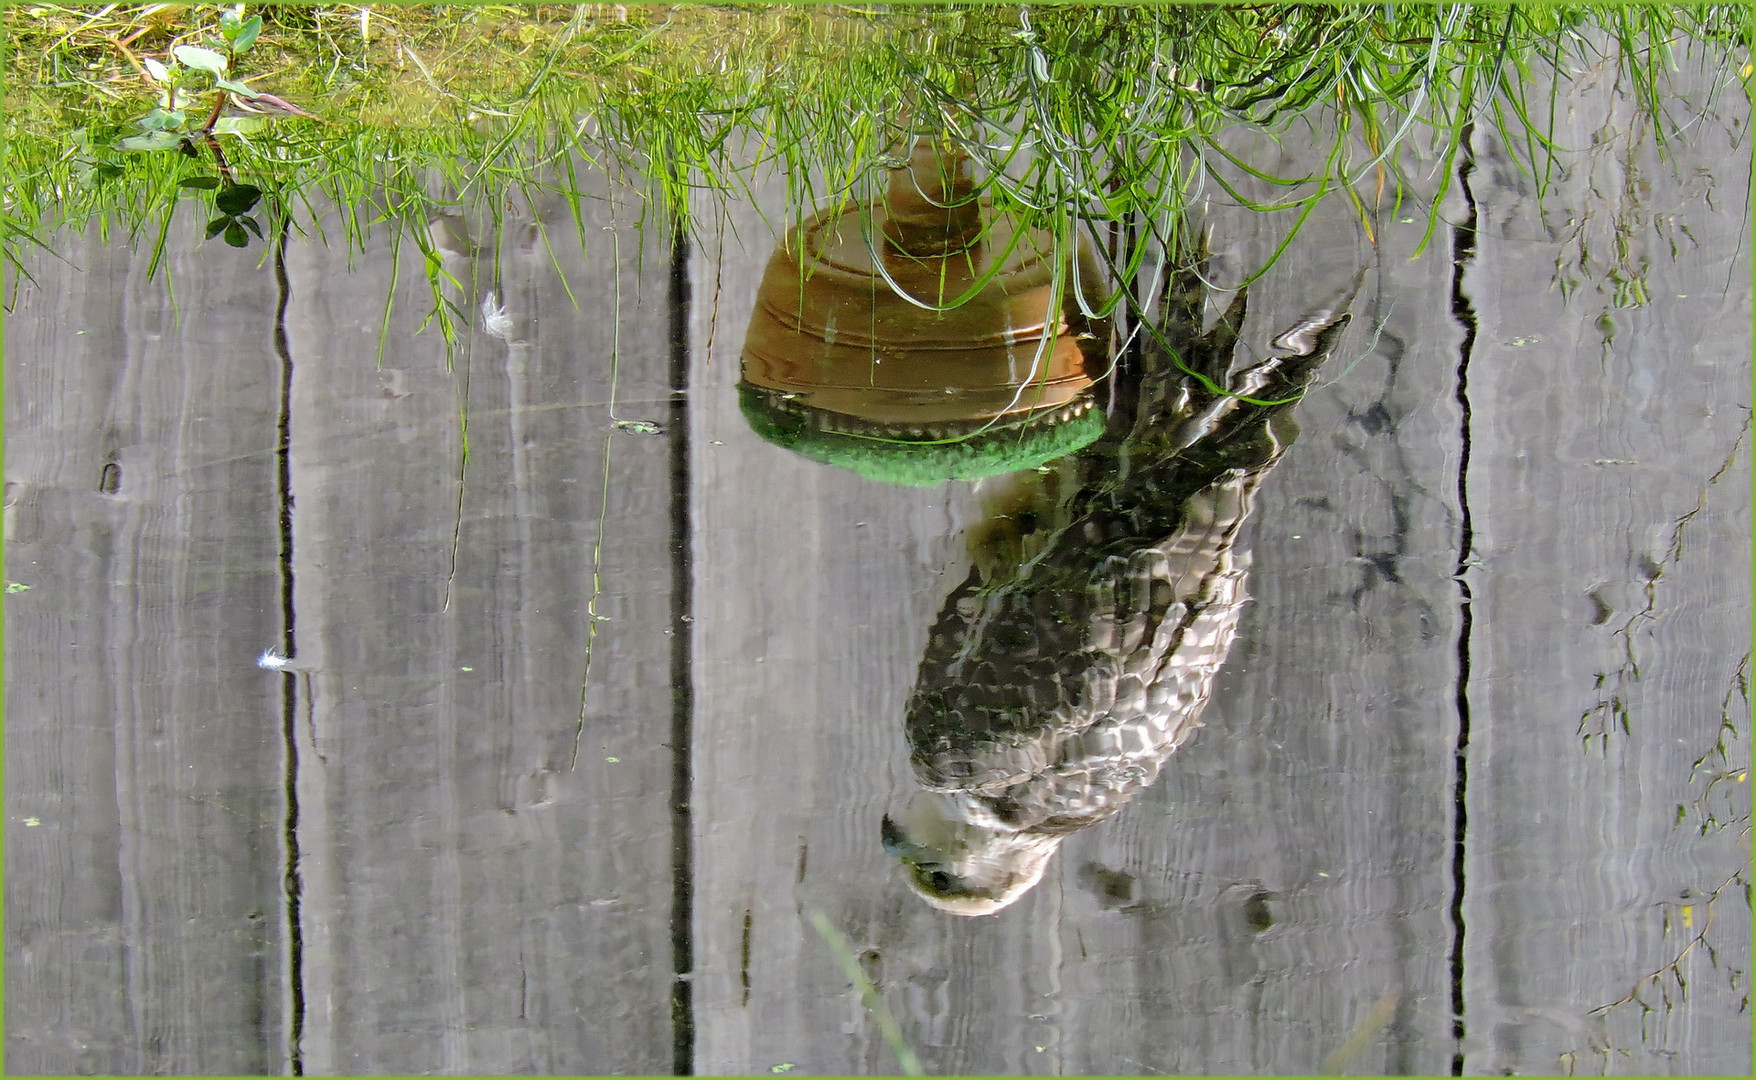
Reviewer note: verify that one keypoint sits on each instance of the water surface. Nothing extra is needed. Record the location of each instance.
(1452, 810)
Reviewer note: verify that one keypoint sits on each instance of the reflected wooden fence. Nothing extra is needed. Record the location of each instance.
(1388, 836)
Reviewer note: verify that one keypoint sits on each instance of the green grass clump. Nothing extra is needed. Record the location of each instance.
(1097, 118)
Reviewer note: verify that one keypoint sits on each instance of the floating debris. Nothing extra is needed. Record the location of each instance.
(495, 320)
(639, 427)
(272, 660)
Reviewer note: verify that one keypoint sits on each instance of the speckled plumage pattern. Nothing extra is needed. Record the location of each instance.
(1053, 691)
(1060, 703)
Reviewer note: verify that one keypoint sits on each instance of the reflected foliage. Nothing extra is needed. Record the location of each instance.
(1079, 116)
(1688, 927)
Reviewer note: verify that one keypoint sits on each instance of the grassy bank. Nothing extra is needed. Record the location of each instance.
(1080, 114)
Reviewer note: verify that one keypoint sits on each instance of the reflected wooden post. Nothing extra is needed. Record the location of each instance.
(814, 590)
(143, 745)
(475, 904)
(920, 337)
(1198, 864)
(1612, 586)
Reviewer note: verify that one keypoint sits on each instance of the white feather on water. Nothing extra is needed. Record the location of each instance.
(495, 320)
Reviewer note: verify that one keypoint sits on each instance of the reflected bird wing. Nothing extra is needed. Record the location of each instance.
(1053, 693)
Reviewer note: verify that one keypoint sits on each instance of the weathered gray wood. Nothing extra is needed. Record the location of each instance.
(1058, 983)
(143, 745)
(1596, 426)
(1321, 796)
(473, 903)
(1290, 873)
(813, 593)
(469, 904)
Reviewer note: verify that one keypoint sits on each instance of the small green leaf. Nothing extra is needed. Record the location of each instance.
(218, 225)
(152, 140)
(230, 23)
(237, 199)
(236, 236)
(158, 71)
(205, 183)
(16, 587)
(237, 88)
(161, 120)
(247, 36)
(203, 59)
(255, 228)
(240, 125)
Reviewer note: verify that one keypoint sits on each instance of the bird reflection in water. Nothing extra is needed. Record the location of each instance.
(1060, 677)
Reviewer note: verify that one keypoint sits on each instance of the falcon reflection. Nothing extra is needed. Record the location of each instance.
(1059, 678)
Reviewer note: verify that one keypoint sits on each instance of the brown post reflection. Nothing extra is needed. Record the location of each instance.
(1061, 675)
(921, 337)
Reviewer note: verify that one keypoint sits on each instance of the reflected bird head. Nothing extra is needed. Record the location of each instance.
(960, 863)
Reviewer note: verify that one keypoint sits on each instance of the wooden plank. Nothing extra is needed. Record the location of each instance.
(1301, 839)
(143, 745)
(1611, 571)
(813, 593)
(1287, 893)
(1087, 989)
(473, 902)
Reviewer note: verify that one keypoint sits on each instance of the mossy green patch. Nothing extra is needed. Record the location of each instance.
(1003, 448)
